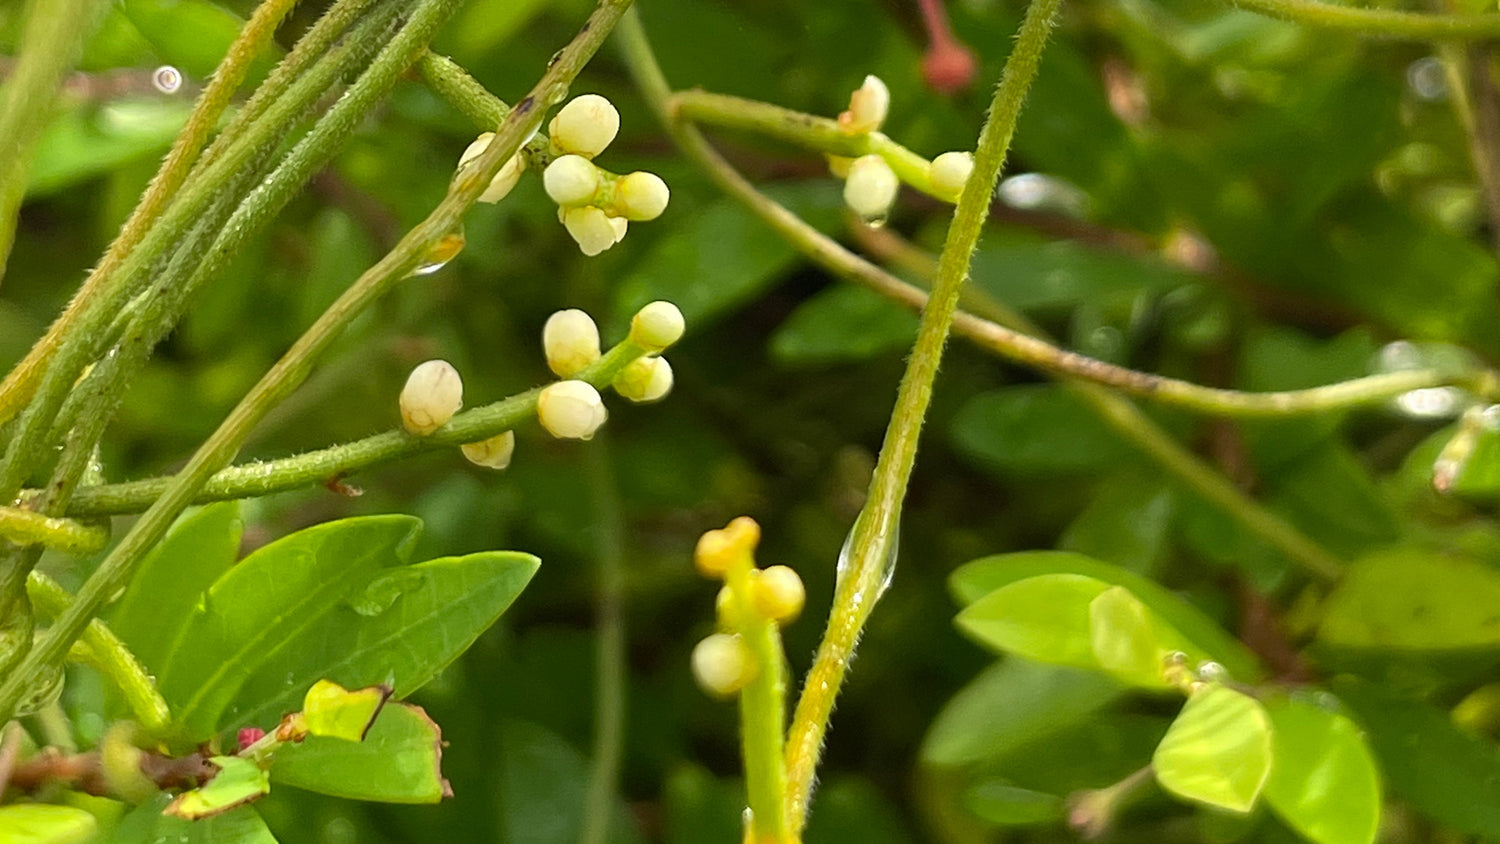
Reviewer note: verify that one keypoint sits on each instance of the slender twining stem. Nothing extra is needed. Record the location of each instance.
(50, 42)
(1383, 23)
(108, 654)
(22, 380)
(609, 650)
(763, 718)
(450, 81)
(220, 448)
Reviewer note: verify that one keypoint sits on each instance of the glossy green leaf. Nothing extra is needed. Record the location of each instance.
(1045, 618)
(400, 629)
(1411, 598)
(721, 257)
(44, 823)
(1127, 523)
(153, 612)
(1006, 805)
(267, 603)
(841, 324)
(332, 711)
(976, 579)
(1125, 640)
(83, 144)
(1014, 432)
(1011, 703)
(399, 761)
(1449, 775)
(1218, 751)
(1324, 783)
(238, 781)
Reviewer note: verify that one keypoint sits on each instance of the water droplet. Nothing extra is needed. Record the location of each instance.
(887, 542)
(1431, 402)
(437, 257)
(1427, 79)
(383, 591)
(166, 79)
(877, 222)
(1212, 672)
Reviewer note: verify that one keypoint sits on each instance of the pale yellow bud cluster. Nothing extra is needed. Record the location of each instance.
(750, 596)
(594, 205)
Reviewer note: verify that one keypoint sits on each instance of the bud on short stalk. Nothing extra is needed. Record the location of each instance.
(571, 180)
(949, 173)
(868, 106)
(657, 326)
(571, 342)
(585, 126)
(571, 410)
(641, 196)
(778, 594)
(433, 393)
(871, 188)
(722, 664)
(645, 379)
(592, 229)
(493, 453)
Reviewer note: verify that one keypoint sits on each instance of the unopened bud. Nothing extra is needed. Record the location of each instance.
(949, 173)
(505, 180)
(719, 549)
(592, 229)
(722, 664)
(585, 126)
(867, 107)
(571, 180)
(571, 342)
(657, 326)
(871, 188)
(493, 453)
(433, 393)
(571, 410)
(641, 196)
(645, 379)
(778, 593)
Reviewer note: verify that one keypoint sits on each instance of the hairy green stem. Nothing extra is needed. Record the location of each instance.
(107, 653)
(25, 527)
(294, 366)
(465, 93)
(51, 40)
(609, 652)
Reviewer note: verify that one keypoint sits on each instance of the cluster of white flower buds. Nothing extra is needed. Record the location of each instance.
(433, 393)
(722, 663)
(594, 205)
(870, 183)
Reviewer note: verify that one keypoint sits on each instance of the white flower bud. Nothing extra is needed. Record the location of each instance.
(949, 173)
(867, 107)
(585, 126)
(433, 393)
(571, 410)
(592, 229)
(645, 379)
(657, 326)
(870, 190)
(571, 180)
(505, 180)
(641, 196)
(571, 341)
(722, 664)
(493, 453)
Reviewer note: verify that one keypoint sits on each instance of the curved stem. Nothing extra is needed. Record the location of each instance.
(25, 527)
(609, 654)
(335, 462)
(1378, 22)
(295, 365)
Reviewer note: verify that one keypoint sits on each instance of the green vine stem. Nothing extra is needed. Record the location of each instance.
(20, 383)
(106, 652)
(763, 718)
(609, 652)
(50, 42)
(335, 462)
(25, 527)
(470, 98)
(221, 447)
(1384, 23)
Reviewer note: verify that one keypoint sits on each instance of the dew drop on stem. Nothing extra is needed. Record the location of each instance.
(438, 256)
(888, 542)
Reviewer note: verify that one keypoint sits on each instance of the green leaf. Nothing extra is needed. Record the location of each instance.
(842, 324)
(400, 630)
(1126, 523)
(1010, 704)
(399, 761)
(1007, 805)
(238, 781)
(1324, 783)
(83, 144)
(1126, 641)
(147, 825)
(1218, 751)
(722, 257)
(1445, 773)
(1014, 431)
(153, 613)
(1412, 598)
(1045, 618)
(44, 823)
(978, 578)
(333, 711)
(267, 603)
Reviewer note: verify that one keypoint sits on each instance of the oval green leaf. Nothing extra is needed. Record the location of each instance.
(1045, 618)
(1414, 599)
(44, 823)
(1324, 783)
(1218, 751)
(1126, 641)
(400, 761)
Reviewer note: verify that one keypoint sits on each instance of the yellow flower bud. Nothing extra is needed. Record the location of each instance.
(722, 665)
(571, 410)
(433, 393)
(641, 196)
(493, 453)
(867, 107)
(585, 126)
(571, 180)
(645, 379)
(778, 593)
(719, 549)
(657, 326)
(571, 342)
